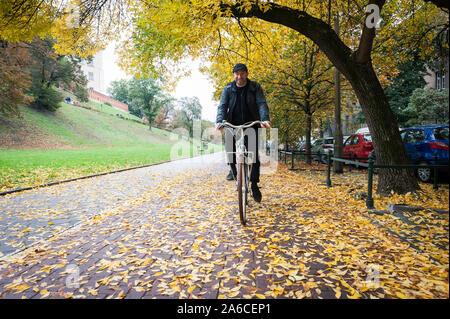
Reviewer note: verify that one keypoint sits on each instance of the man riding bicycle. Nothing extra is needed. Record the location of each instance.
(243, 101)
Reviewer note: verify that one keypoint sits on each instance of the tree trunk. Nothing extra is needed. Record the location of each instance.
(338, 167)
(383, 127)
(320, 128)
(308, 138)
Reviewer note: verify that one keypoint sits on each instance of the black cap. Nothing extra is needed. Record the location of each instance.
(240, 66)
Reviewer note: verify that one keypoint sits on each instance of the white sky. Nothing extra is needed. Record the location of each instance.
(196, 84)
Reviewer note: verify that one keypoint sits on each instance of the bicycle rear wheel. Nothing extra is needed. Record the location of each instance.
(242, 191)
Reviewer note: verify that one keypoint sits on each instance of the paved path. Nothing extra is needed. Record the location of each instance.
(33, 215)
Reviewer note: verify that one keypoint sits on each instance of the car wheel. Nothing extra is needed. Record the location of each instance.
(424, 174)
(356, 160)
(317, 157)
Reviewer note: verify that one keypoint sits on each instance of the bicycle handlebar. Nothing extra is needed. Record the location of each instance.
(225, 123)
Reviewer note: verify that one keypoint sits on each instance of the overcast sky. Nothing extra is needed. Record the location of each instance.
(195, 85)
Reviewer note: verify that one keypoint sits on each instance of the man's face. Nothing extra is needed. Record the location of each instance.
(240, 76)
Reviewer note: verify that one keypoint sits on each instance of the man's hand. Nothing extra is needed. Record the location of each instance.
(219, 126)
(266, 124)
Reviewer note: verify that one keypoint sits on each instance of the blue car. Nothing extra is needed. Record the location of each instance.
(422, 143)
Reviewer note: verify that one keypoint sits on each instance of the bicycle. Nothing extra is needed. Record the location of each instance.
(243, 168)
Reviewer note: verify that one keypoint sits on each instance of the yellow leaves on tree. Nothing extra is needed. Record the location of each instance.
(80, 27)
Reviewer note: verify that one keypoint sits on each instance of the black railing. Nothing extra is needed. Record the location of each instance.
(371, 166)
(293, 154)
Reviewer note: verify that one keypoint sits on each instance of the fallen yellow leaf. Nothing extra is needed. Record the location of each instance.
(191, 288)
(400, 295)
(44, 292)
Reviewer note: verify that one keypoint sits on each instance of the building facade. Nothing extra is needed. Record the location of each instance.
(437, 77)
(94, 72)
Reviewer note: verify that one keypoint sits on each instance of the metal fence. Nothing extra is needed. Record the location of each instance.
(371, 166)
(297, 155)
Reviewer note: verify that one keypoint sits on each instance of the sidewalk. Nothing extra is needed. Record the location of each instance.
(181, 238)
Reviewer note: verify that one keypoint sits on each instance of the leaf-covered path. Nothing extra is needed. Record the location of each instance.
(173, 232)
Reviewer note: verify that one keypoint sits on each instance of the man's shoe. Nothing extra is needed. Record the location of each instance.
(230, 176)
(256, 193)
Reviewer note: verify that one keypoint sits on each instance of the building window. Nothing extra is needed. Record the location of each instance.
(443, 80)
(91, 76)
(438, 80)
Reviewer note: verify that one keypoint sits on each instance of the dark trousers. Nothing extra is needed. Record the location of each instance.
(230, 146)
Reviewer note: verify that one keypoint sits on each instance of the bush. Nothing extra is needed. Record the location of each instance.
(46, 98)
(81, 93)
(427, 106)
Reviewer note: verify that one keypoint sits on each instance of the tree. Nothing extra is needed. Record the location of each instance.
(444, 4)
(144, 95)
(118, 90)
(427, 106)
(410, 77)
(305, 86)
(166, 111)
(294, 74)
(49, 69)
(189, 110)
(338, 167)
(79, 27)
(14, 80)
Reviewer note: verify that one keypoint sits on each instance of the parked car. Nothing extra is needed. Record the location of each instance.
(302, 146)
(295, 146)
(358, 146)
(321, 147)
(421, 143)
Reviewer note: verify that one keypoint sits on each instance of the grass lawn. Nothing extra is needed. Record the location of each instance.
(24, 168)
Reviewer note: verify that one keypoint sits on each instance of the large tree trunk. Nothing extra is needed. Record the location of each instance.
(357, 68)
(338, 167)
(383, 127)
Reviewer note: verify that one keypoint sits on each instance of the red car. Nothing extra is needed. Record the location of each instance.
(358, 145)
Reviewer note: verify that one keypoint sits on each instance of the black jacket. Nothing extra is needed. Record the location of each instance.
(256, 102)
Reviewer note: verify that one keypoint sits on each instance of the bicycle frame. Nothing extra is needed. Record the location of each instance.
(241, 151)
(242, 157)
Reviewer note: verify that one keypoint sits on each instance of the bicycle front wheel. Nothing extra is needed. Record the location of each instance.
(242, 192)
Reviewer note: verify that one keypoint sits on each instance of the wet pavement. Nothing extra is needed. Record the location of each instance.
(172, 231)
(34, 215)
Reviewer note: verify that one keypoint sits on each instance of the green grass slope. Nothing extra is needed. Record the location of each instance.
(73, 141)
(73, 127)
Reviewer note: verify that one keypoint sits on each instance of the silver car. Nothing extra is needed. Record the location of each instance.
(321, 147)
